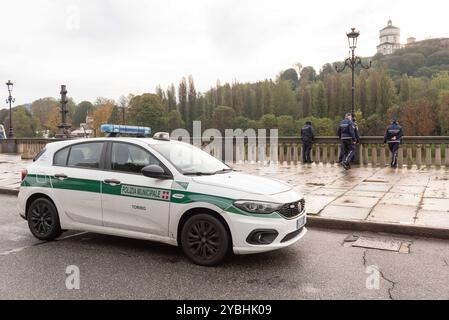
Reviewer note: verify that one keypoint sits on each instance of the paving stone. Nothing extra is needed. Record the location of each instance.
(328, 192)
(433, 204)
(379, 187)
(436, 219)
(402, 199)
(408, 189)
(393, 214)
(366, 194)
(358, 202)
(346, 213)
(314, 204)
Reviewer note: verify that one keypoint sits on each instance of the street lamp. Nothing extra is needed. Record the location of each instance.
(353, 61)
(10, 100)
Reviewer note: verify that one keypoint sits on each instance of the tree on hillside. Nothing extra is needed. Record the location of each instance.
(147, 110)
(82, 110)
(101, 115)
(443, 113)
(269, 121)
(174, 121)
(191, 101)
(53, 120)
(418, 117)
(171, 98)
(223, 118)
(41, 109)
(290, 75)
(182, 98)
(24, 125)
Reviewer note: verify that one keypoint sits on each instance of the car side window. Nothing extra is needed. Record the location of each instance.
(60, 158)
(85, 155)
(126, 157)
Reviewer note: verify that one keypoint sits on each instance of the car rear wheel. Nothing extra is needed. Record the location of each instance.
(43, 220)
(205, 240)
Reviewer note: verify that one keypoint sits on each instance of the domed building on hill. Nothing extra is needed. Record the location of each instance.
(390, 39)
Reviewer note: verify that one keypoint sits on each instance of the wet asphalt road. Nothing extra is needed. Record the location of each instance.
(319, 267)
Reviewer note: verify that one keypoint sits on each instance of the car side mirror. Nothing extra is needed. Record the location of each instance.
(156, 172)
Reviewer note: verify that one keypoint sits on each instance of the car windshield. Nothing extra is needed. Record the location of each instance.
(190, 160)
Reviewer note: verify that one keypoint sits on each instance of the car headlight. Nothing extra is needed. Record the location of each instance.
(257, 206)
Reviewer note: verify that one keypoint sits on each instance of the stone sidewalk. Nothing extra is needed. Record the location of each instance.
(404, 197)
(10, 168)
(408, 196)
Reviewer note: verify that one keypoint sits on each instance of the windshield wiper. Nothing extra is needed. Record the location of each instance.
(224, 171)
(199, 173)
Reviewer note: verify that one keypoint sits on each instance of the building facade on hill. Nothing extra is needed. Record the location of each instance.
(390, 39)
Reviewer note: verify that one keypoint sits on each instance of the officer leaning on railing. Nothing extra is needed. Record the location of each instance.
(393, 136)
(308, 137)
(347, 134)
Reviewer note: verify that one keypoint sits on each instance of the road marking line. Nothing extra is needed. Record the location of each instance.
(16, 250)
(73, 235)
(5, 253)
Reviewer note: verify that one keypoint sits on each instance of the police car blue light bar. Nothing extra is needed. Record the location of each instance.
(122, 129)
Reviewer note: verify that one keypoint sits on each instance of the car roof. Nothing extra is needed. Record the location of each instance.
(148, 141)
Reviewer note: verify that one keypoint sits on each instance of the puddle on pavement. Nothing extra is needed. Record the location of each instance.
(311, 184)
(378, 243)
(375, 181)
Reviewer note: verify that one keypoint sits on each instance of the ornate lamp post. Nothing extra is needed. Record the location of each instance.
(353, 61)
(10, 100)
(64, 127)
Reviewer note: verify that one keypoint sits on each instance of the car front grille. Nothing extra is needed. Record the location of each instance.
(292, 210)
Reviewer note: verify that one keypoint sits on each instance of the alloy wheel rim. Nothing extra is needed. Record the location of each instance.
(203, 240)
(41, 218)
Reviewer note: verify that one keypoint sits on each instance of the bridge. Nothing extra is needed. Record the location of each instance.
(416, 151)
(413, 199)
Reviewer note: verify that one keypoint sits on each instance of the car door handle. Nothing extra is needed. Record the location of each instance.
(61, 176)
(112, 181)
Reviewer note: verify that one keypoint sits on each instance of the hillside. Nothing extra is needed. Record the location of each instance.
(418, 59)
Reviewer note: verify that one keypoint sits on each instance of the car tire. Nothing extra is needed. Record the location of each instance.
(205, 240)
(43, 220)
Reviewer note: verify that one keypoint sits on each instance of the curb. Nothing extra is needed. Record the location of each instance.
(377, 227)
(8, 191)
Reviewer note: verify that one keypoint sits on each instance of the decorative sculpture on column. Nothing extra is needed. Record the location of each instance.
(64, 127)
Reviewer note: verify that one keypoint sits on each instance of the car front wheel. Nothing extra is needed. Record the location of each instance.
(43, 220)
(205, 240)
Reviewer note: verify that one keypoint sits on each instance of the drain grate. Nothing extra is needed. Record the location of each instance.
(384, 244)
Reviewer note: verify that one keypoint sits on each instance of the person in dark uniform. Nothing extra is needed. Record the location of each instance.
(307, 136)
(393, 136)
(346, 133)
(357, 139)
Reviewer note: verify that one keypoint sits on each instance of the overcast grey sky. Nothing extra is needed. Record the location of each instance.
(113, 47)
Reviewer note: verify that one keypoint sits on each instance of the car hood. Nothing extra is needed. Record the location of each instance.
(245, 183)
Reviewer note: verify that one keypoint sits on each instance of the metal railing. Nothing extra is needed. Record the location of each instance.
(420, 151)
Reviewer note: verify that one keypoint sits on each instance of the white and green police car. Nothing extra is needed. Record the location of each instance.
(161, 190)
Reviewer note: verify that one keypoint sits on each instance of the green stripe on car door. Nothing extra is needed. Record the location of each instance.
(141, 192)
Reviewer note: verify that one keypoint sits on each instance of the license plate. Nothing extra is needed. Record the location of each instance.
(300, 222)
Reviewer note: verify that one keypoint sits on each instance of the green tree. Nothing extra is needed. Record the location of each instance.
(116, 116)
(269, 121)
(147, 110)
(81, 112)
(23, 123)
(174, 120)
(182, 98)
(191, 101)
(291, 76)
(223, 118)
(286, 126)
(41, 109)
(171, 98)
